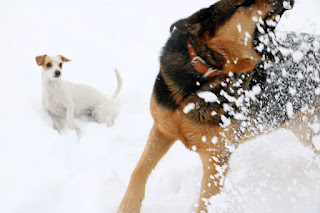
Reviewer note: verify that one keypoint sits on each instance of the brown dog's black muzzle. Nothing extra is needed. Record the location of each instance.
(285, 4)
(288, 4)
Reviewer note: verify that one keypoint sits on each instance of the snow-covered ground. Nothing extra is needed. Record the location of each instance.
(44, 172)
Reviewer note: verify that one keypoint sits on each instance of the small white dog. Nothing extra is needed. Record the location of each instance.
(64, 99)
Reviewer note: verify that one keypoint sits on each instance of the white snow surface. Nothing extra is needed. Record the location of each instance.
(44, 172)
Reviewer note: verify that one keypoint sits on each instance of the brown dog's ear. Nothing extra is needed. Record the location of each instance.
(188, 25)
(64, 58)
(191, 24)
(40, 59)
(185, 27)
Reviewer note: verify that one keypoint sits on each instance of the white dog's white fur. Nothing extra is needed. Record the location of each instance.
(63, 99)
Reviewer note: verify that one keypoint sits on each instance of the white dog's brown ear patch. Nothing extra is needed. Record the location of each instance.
(64, 58)
(40, 59)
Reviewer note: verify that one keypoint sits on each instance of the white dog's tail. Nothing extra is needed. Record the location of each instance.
(119, 80)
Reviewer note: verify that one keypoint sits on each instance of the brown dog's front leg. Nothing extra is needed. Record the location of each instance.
(157, 146)
(215, 166)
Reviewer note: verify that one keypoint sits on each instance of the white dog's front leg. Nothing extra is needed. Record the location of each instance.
(56, 122)
(70, 120)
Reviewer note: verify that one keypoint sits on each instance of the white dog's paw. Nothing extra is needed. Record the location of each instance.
(109, 122)
(78, 130)
(73, 126)
(58, 128)
(79, 133)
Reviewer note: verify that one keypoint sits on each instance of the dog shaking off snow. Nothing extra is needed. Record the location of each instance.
(64, 99)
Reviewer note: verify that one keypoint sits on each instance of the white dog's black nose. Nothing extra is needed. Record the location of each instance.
(57, 73)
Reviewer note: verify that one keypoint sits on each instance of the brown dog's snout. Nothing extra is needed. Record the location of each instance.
(57, 73)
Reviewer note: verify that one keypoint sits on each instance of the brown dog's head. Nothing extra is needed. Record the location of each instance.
(240, 33)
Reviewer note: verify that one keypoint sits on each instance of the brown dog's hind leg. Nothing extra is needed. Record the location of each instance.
(215, 166)
(301, 125)
(157, 146)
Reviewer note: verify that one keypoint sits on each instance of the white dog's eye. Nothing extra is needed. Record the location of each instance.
(60, 65)
(48, 65)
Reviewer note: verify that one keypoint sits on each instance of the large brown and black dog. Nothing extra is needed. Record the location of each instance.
(209, 92)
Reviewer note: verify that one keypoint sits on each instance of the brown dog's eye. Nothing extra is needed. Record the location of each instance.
(48, 65)
(60, 65)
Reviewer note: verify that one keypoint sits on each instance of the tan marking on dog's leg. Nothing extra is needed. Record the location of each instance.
(157, 146)
(300, 125)
(215, 166)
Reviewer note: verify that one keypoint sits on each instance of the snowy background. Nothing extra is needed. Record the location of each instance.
(44, 172)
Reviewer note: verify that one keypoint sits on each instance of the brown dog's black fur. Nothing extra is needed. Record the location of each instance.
(212, 128)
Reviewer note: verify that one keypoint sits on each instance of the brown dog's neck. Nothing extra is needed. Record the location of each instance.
(201, 66)
(212, 58)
